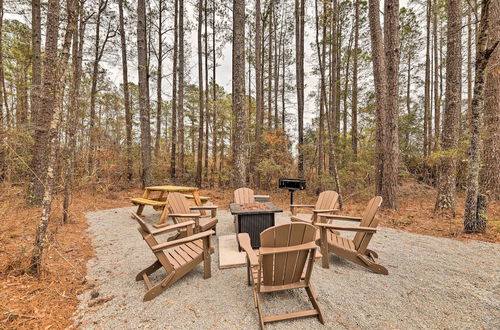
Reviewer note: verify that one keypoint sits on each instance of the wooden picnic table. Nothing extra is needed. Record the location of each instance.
(160, 202)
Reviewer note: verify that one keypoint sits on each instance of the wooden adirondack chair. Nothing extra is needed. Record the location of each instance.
(180, 212)
(355, 250)
(177, 257)
(282, 257)
(244, 196)
(325, 205)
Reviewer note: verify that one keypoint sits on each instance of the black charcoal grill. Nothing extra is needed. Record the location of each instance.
(292, 185)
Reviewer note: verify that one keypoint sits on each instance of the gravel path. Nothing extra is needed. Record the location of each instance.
(432, 283)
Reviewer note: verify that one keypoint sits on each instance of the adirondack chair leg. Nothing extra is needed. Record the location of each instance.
(159, 288)
(148, 271)
(261, 317)
(207, 271)
(379, 269)
(312, 296)
(324, 250)
(371, 253)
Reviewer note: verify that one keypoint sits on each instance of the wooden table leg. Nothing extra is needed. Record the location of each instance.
(197, 201)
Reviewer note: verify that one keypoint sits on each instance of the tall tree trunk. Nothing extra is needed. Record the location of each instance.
(2, 135)
(490, 172)
(173, 151)
(159, 76)
(276, 65)
(143, 93)
(73, 110)
(427, 81)
(207, 112)
(51, 98)
(437, 77)
(98, 52)
(240, 143)
(199, 160)
(321, 50)
(214, 94)
(346, 84)
(448, 164)
(180, 112)
(270, 68)
(392, 54)
(354, 124)
(474, 221)
(283, 89)
(299, 68)
(126, 94)
(259, 111)
(379, 64)
(36, 65)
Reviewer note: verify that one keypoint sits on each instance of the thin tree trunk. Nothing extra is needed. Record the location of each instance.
(214, 94)
(427, 81)
(299, 67)
(3, 165)
(240, 143)
(259, 111)
(437, 77)
(207, 112)
(73, 113)
(143, 93)
(159, 76)
(270, 69)
(126, 94)
(36, 71)
(199, 160)
(321, 59)
(180, 104)
(354, 118)
(448, 164)
(173, 152)
(474, 222)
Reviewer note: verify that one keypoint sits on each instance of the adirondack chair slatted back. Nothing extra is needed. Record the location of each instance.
(178, 204)
(244, 196)
(361, 240)
(151, 241)
(327, 200)
(286, 268)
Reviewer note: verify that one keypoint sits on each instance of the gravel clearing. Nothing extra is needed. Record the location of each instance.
(432, 283)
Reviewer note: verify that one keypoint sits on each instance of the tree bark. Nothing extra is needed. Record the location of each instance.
(448, 164)
(437, 77)
(36, 65)
(143, 94)
(240, 143)
(207, 112)
(259, 111)
(126, 94)
(214, 95)
(474, 222)
(180, 112)
(490, 172)
(392, 55)
(201, 101)
(299, 68)
(427, 79)
(173, 150)
(379, 63)
(51, 97)
(159, 76)
(354, 118)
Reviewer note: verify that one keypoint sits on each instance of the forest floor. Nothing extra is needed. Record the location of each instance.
(51, 300)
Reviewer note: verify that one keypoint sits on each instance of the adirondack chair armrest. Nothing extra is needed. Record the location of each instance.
(185, 215)
(170, 244)
(297, 219)
(346, 228)
(204, 207)
(244, 242)
(341, 217)
(172, 227)
(325, 211)
(274, 250)
(301, 205)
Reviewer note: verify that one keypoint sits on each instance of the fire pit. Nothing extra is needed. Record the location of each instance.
(253, 218)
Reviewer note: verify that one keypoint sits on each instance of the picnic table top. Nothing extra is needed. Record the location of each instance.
(172, 188)
(236, 208)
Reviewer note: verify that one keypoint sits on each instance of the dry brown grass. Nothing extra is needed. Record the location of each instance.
(50, 301)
